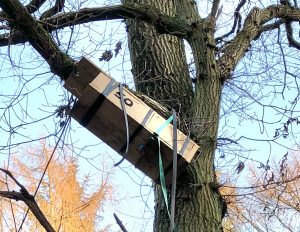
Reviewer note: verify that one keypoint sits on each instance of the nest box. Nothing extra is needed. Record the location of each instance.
(99, 109)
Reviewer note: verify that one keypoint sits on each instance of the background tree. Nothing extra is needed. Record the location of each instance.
(270, 202)
(261, 40)
(68, 204)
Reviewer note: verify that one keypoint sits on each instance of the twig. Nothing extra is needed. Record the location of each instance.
(119, 222)
(28, 199)
(236, 22)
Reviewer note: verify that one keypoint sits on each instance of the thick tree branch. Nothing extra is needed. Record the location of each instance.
(34, 5)
(289, 28)
(271, 26)
(14, 37)
(60, 63)
(163, 23)
(253, 26)
(147, 13)
(28, 199)
(290, 36)
(214, 8)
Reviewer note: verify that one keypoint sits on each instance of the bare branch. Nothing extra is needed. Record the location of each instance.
(119, 222)
(11, 195)
(271, 26)
(28, 199)
(289, 28)
(60, 63)
(163, 23)
(15, 37)
(214, 9)
(290, 36)
(236, 22)
(34, 208)
(251, 30)
(34, 5)
(59, 5)
(13, 178)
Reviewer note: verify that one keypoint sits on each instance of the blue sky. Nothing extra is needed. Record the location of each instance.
(39, 93)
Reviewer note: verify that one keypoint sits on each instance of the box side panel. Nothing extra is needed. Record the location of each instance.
(135, 107)
(108, 124)
(84, 72)
(185, 147)
(191, 150)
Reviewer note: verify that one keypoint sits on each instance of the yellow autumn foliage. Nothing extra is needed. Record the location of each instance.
(70, 205)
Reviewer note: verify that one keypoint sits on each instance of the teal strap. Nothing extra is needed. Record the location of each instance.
(162, 177)
(161, 170)
(163, 126)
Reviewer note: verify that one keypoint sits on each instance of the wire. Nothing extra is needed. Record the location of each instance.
(126, 125)
(44, 172)
(174, 173)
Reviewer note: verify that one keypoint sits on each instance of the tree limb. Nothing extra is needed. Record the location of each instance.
(163, 23)
(236, 21)
(11, 195)
(119, 222)
(252, 28)
(214, 9)
(34, 5)
(28, 199)
(271, 26)
(60, 63)
(290, 36)
(289, 28)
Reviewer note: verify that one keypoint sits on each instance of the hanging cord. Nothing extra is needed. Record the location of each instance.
(63, 131)
(126, 124)
(174, 173)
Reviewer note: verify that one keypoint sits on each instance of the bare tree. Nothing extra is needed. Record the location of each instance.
(259, 51)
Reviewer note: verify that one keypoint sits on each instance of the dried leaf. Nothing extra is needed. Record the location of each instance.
(118, 48)
(240, 167)
(106, 56)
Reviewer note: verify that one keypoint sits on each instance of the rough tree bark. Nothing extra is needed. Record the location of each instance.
(160, 71)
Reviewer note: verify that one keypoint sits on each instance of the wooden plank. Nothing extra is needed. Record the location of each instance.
(138, 110)
(99, 109)
(108, 124)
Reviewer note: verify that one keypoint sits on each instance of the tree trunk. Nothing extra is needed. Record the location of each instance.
(159, 64)
(160, 71)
